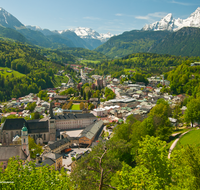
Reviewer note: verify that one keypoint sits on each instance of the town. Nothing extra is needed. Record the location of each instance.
(66, 134)
(99, 95)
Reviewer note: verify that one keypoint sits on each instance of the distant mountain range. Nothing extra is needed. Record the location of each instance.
(91, 37)
(168, 36)
(79, 37)
(171, 24)
(184, 42)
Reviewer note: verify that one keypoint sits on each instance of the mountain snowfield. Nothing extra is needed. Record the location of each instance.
(171, 24)
(89, 33)
(82, 32)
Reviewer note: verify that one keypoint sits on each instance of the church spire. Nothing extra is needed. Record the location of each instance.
(51, 110)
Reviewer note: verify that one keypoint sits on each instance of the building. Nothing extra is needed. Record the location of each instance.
(50, 159)
(21, 150)
(61, 145)
(88, 135)
(44, 130)
(73, 121)
(100, 112)
(41, 131)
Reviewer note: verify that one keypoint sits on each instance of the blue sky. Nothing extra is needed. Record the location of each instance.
(115, 16)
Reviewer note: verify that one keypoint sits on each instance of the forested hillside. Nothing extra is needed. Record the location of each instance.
(184, 42)
(131, 42)
(185, 79)
(19, 57)
(84, 53)
(147, 63)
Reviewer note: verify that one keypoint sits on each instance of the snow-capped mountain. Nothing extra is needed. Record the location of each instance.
(9, 21)
(172, 24)
(88, 33)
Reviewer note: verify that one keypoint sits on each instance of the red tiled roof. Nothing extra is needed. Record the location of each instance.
(13, 113)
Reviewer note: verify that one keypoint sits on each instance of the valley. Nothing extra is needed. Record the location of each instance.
(86, 110)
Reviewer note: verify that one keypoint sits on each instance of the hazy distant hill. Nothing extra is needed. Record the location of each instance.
(12, 34)
(131, 42)
(81, 36)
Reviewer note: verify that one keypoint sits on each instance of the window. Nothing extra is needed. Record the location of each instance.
(44, 136)
(24, 140)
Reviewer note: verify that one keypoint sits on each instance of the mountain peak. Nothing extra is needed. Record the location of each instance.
(168, 17)
(7, 20)
(171, 24)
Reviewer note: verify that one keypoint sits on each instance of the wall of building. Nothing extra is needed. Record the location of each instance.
(58, 163)
(73, 124)
(85, 140)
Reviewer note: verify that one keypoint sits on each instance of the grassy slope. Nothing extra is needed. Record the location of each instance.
(191, 137)
(3, 71)
(90, 61)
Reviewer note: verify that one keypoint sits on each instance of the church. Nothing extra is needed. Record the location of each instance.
(40, 130)
(17, 148)
(45, 130)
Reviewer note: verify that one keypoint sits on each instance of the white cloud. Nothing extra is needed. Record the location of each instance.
(181, 3)
(118, 14)
(151, 16)
(91, 18)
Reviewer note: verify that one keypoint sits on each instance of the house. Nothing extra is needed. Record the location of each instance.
(88, 135)
(183, 109)
(50, 159)
(115, 81)
(61, 145)
(173, 121)
(100, 112)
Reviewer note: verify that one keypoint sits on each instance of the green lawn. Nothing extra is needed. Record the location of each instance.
(191, 137)
(75, 107)
(126, 70)
(90, 61)
(7, 71)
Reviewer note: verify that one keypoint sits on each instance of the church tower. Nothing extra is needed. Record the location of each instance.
(24, 137)
(52, 125)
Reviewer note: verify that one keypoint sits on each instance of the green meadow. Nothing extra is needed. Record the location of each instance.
(5, 71)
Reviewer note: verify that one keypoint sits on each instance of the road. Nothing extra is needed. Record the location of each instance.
(175, 142)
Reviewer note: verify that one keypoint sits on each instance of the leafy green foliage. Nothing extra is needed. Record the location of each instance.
(34, 148)
(101, 161)
(43, 95)
(185, 78)
(22, 58)
(28, 176)
(109, 94)
(192, 112)
(145, 63)
(186, 167)
(31, 106)
(153, 170)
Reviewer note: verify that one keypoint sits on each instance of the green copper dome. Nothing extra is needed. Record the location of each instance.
(24, 128)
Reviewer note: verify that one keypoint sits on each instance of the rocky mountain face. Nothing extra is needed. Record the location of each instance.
(9, 21)
(171, 24)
